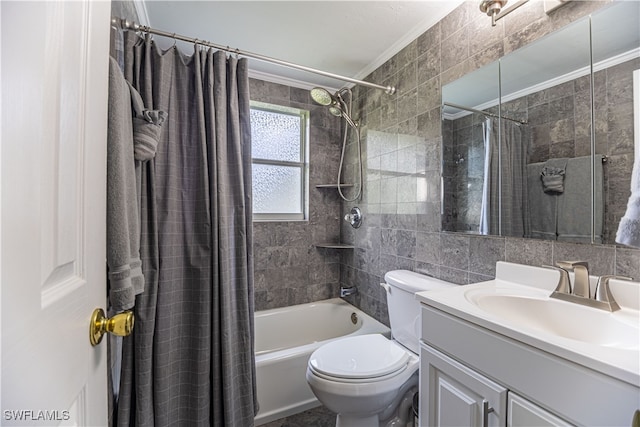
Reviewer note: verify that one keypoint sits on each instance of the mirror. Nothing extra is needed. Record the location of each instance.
(616, 54)
(463, 154)
(530, 112)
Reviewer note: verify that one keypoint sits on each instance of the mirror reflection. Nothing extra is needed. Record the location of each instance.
(519, 158)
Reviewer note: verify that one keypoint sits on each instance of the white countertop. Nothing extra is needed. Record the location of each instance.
(621, 362)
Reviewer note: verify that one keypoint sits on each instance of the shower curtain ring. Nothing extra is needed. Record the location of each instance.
(173, 36)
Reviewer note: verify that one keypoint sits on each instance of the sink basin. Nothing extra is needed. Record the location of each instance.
(533, 309)
(517, 305)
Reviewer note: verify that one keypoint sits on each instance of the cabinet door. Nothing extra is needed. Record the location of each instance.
(523, 413)
(451, 394)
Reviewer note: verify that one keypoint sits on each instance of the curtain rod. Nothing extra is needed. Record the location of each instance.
(605, 158)
(484, 113)
(130, 25)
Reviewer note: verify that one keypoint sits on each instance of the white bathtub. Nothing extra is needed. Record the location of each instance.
(285, 338)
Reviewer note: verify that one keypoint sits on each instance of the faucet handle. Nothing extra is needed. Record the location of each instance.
(571, 265)
(564, 285)
(603, 293)
(581, 276)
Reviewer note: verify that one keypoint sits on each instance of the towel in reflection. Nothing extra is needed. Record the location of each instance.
(574, 205)
(552, 175)
(566, 215)
(542, 216)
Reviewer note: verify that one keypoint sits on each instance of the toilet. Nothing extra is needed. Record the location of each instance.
(370, 380)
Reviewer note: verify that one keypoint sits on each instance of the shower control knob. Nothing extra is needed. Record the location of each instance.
(354, 217)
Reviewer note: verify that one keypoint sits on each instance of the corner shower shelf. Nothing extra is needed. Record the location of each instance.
(333, 185)
(334, 245)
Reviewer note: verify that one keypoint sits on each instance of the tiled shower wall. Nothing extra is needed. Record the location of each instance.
(402, 136)
(401, 203)
(289, 269)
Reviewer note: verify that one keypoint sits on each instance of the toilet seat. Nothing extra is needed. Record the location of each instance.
(362, 358)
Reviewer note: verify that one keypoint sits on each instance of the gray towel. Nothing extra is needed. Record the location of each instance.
(542, 206)
(123, 229)
(574, 205)
(147, 127)
(552, 175)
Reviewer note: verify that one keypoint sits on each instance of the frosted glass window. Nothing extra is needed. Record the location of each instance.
(278, 151)
(275, 136)
(276, 189)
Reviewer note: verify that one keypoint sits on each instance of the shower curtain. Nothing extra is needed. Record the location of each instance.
(190, 360)
(504, 193)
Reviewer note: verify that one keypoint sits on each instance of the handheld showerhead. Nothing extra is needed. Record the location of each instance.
(337, 106)
(335, 110)
(340, 108)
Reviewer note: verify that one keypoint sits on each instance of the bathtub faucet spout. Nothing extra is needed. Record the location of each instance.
(345, 292)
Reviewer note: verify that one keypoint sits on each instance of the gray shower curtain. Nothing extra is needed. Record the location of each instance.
(504, 201)
(190, 360)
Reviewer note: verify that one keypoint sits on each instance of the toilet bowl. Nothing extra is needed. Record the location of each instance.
(370, 380)
(362, 379)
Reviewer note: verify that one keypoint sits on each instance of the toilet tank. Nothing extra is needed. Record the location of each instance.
(404, 308)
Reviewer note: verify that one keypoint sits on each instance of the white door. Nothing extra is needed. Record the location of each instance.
(53, 172)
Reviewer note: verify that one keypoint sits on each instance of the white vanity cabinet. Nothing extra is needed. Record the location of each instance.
(451, 394)
(454, 395)
(523, 413)
(473, 376)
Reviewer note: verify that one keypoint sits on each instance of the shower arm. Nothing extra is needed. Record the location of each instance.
(130, 25)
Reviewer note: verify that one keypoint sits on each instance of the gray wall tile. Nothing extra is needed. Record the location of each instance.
(460, 43)
(288, 268)
(402, 227)
(484, 252)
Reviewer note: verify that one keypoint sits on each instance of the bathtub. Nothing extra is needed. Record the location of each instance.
(285, 338)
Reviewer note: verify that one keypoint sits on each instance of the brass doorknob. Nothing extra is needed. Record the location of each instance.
(121, 324)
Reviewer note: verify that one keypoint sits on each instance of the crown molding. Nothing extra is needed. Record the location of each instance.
(602, 65)
(141, 11)
(409, 37)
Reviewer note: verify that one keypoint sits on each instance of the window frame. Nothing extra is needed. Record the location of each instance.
(302, 164)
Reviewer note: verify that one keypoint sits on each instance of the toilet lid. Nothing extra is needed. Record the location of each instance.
(362, 356)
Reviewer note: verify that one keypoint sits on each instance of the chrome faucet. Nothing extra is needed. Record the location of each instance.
(345, 292)
(580, 269)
